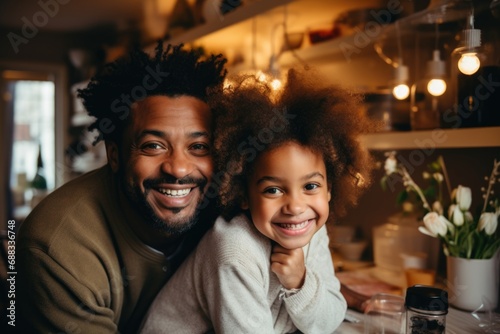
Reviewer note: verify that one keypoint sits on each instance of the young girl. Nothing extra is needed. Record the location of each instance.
(265, 266)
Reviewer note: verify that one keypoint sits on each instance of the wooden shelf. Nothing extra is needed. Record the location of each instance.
(438, 138)
(240, 14)
(340, 48)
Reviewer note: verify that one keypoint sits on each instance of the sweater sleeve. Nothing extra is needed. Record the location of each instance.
(236, 295)
(318, 307)
(57, 302)
(237, 301)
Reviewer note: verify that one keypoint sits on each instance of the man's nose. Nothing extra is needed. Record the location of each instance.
(177, 164)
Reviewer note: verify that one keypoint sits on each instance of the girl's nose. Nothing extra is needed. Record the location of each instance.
(294, 205)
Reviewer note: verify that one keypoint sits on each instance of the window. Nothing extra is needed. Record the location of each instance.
(33, 114)
(33, 104)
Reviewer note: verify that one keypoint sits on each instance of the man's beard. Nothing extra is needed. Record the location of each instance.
(174, 226)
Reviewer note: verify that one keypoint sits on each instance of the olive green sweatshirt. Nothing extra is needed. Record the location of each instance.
(80, 268)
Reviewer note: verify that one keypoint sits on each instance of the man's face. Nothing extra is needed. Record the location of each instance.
(166, 161)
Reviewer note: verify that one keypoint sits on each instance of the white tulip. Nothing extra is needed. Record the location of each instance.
(451, 208)
(434, 225)
(390, 165)
(464, 198)
(488, 222)
(457, 216)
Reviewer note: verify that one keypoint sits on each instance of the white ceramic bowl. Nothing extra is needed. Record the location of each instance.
(340, 234)
(352, 250)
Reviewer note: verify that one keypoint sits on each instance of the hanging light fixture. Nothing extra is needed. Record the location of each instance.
(401, 90)
(401, 73)
(436, 71)
(469, 61)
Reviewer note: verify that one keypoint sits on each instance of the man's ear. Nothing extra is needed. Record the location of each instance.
(113, 155)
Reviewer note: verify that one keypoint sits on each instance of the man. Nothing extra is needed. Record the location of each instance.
(92, 256)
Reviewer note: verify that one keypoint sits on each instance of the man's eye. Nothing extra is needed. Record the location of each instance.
(311, 186)
(200, 148)
(151, 146)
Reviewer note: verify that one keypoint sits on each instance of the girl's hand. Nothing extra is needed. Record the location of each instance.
(289, 266)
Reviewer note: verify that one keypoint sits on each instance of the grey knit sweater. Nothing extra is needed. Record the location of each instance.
(227, 285)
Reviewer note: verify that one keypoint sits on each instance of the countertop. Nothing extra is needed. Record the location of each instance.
(457, 322)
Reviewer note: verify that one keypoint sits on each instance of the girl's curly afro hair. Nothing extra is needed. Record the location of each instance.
(250, 118)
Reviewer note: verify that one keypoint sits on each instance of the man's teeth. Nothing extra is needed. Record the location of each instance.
(295, 226)
(175, 192)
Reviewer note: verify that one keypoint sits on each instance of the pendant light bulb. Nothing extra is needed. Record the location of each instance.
(436, 87)
(401, 90)
(469, 63)
(436, 71)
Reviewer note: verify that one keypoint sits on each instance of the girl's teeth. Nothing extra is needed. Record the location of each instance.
(295, 226)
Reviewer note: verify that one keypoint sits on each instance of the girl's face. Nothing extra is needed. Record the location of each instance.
(288, 194)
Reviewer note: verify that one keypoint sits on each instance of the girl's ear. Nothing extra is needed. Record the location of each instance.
(329, 192)
(244, 204)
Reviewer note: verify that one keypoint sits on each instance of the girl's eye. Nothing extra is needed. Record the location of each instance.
(272, 191)
(311, 186)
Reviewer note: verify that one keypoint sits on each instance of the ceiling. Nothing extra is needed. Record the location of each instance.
(70, 15)
(82, 15)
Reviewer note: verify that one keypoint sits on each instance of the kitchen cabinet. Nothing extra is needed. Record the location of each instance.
(259, 19)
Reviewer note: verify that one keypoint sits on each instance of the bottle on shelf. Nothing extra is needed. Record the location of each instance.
(39, 182)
